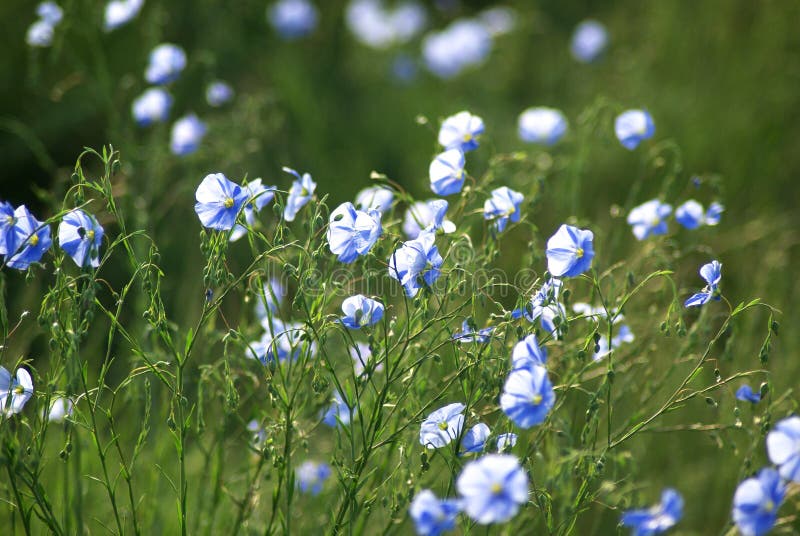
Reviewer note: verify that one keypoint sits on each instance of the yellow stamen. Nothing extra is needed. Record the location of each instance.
(228, 202)
(90, 235)
(579, 253)
(467, 137)
(34, 240)
(536, 400)
(10, 220)
(496, 488)
(442, 426)
(769, 506)
(18, 390)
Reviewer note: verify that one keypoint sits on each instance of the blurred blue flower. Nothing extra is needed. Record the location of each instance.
(427, 216)
(433, 516)
(544, 306)
(31, 238)
(311, 476)
(467, 334)
(377, 26)
(15, 391)
(498, 20)
(187, 133)
(362, 355)
(273, 295)
(60, 409)
(353, 232)
(527, 396)
(218, 93)
(404, 68)
(218, 202)
(120, 12)
(338, 412)
(300, 194)
(783, 447)
(492, 488)
(50, 12)
(474, 439)
(691, 214)
(167, 61)
(293, 19)
(462, 44)
(623, 335)
(151, 106)
(80, 236)
(541, 125)
(258, 196)
(416, 262)
(375, 197)
(570, 251)
(745, 393)
(712, 273)
(280, 343)
(634, 126)
(360, 311)
(40, 34)
(589, 41)
(658, 518)
(502, 207)
(528, 354)
(649, 219)
(442, 426)
(505, 442)
(756, 503)
(447, 173)
(461, 131)
(8, 234)
(259, 433)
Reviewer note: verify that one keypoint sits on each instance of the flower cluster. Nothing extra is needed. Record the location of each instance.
(650, 218)
(40, 33)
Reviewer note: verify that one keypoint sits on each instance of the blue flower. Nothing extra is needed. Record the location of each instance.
(544, 306)
(311, 476)
(433, 516)
(634, 126)
(280, 342)
(152, 106)
(31, 238)
(273, 296)
(506, 442)
(502, 207)
(120, 12)
(427, 216)
(360, 311)
(338, 412)
(300, 194)
(60, 409)
(461, 131)
(712, 273)
(50, 12)
(293, 19)
(447, 173)
(40, 34)
(467, 334)
(474, 439)
(362, 357)
(745, 393)
(80, 236)
(498, 20)
(218, 93)
(375, 197)
(589, 41)
(186, 135)
(377, 26)
(167, 61)
(259, 433)
(258, 196)
(8, 234)
(783, 447)
(527, 396)
(623, 335)
(219, 202)
(756, 503)
(528, 354)
(415, 263)
(649, 219)
(541, 125)
(462, 44)
(442, 426)
(14, 391)
(353, 232)
(658, 518)
(492, 488)
(691, 214)
(569, 251)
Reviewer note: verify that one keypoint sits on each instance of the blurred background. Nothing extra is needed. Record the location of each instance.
(719, 77)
